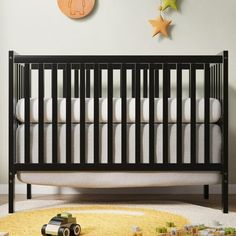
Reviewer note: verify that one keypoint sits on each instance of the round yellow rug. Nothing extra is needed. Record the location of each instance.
(96, 220)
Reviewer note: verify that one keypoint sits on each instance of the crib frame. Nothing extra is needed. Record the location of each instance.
(215, 85)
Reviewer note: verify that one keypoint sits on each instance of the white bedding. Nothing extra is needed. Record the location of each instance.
(215, 143)
(215, 110)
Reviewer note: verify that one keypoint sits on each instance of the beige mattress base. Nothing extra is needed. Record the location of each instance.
(85, 179)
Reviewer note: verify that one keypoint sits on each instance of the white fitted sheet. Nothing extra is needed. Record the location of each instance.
(215, 110)
(215, 143)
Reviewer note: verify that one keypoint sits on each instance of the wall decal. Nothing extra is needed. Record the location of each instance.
(76, 8)
(169, 3)
(160, 24)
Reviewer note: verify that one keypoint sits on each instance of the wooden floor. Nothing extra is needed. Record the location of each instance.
(213, 202)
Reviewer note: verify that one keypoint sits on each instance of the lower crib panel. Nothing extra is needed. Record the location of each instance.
(215, 143)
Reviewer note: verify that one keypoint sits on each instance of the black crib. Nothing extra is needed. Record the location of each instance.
(145, 83)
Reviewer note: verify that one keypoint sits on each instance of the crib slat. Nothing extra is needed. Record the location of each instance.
(88, 83)
(64, 83)
(216, 69)
(19, 88)
(214, 81)
(41, 114)
(193, 112)
(30, 82)
(189, 85)
(207, 114)
(221, 86)
(166, 94)
(17, 81)
(68, 112)
(54, 114)
(124, 112)
(137, 114)
(82, 113)
(76, 89)
(145, 83)
(110, 114)
(22, 82)
(216, 75)
(156, 83)
(17, 71)
(27, 111)
(133, 83)
(100, 81)
(97, 74)
(211, 84)
(151, 114)
(218, 81)
(179, 114)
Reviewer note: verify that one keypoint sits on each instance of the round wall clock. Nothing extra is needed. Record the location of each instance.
(76, 8)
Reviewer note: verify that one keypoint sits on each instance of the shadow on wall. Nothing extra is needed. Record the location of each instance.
(232, 134)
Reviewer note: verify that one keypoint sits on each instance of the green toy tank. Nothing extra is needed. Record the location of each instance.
(61, 225)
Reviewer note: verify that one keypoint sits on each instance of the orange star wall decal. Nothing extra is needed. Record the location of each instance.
(160, 26)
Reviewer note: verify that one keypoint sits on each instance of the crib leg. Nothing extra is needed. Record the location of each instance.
(206, 192)
(11, 192)
(225, 193)
(29, 191)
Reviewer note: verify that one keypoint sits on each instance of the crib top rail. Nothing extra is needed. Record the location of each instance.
(118, 58)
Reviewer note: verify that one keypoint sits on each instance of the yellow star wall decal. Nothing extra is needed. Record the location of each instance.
(169, 3)
(160, 26)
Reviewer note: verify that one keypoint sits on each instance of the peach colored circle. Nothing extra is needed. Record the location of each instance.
(76, 8)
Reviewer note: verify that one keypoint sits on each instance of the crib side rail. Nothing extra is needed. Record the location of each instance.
(145, 83)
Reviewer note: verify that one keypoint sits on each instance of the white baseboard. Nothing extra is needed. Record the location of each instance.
(21, 189)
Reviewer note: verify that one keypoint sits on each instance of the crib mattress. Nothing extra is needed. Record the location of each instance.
(119, 179)
(215, 143)
(215, 110)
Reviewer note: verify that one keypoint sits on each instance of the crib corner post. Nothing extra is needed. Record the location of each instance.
(12, 127)
(225, 192)
(206, 192)
(11, 192)
(29, 191)
(225, 153)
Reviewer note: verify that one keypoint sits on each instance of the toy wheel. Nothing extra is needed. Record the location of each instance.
(63, 232)
(43, 230)
(75, 229)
